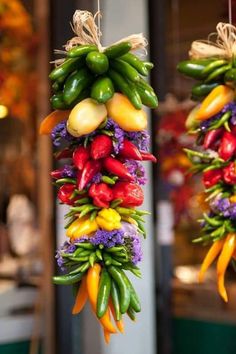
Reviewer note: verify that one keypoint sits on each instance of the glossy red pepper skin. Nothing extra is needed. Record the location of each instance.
(117, 168)
(227, 146)
(65, 192)
(130, 193)
(101, 147)
(212, 177)
(91, 168)
(56, 174)
(80, 156)
(229, 173)
(101, 194)
(211, 137)
(130, 151)
(63, 154)
(146, 156)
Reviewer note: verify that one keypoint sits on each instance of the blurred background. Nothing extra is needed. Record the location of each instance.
(178, 316)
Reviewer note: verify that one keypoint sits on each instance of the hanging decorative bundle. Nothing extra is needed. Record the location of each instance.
(213, 121)
(99, 127)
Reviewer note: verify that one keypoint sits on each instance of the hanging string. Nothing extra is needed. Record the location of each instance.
(99, 18)
(230, 11)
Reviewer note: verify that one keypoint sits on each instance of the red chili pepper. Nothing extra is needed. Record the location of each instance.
(101, 147)
(130, 193)
(212, 177)
(211, 137)
(91, 168)
(227, 146)
(65, 193)
(101, 194)
(63, 154)
(117, 168)
(80, 157)
(56, 174)
(146, 156)
(130, 151)
(229, 173)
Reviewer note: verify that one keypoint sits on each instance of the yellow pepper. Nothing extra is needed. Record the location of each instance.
(108, 219)
(223, 261)
(233, 199)
(85, 117)
(209, 259)
(121, 110)
(214, 102)
(81, 227)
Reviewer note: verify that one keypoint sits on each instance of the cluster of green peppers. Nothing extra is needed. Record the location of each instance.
(210, 72)
(86, 72)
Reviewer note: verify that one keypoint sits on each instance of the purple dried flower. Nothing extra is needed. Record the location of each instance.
(60, 133)
(96, 179)
(137, 170)
(141, 139)
(118, 136)
(67, 247)
(68, 171)
(232, 211)
(132, 242)
(108, 238)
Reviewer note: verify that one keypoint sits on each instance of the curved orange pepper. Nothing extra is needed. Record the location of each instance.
(51, 121)
(93, 278)
(209, 259)
(214, 102)
(120, 323)
(107, 335)
(81, 297)
(223, 261)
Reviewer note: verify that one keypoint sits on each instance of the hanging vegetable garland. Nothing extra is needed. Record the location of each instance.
(99, 93)
(213, 121)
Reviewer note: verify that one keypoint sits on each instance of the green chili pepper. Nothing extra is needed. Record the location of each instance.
(66, 68)
(124, 290)
(66, 180)
(107, 180)
(67, 279)
(131, 314)
(115, 299)
(103, 293)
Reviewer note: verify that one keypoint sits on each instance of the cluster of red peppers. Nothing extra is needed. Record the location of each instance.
(213, 123)
(100, 147)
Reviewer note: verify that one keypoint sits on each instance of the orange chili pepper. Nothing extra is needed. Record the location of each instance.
(120, 323)
(93, 279)
(209, 259)
(214, 102)
(223, 261)
(81, 297)
(52, 120)
(107, 335)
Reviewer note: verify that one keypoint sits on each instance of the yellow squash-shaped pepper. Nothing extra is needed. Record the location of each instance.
(108, 219)
(121, 110)
(85, 117)
(81, 227)
(214, 102)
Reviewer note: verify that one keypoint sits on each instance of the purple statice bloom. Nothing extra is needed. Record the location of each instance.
(60, 133)
(222, 204)
(132, 242)
(68, 171)
(232, 211)
(141, 139)
(206, 123)
(118, 136)
(96, 179)
(107, 238)
(67, 247)
(137, 170)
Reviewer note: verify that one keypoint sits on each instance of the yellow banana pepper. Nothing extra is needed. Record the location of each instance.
(223, 261)
(209, 259)
(81, 227)
(108, 219)
(214, 102)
